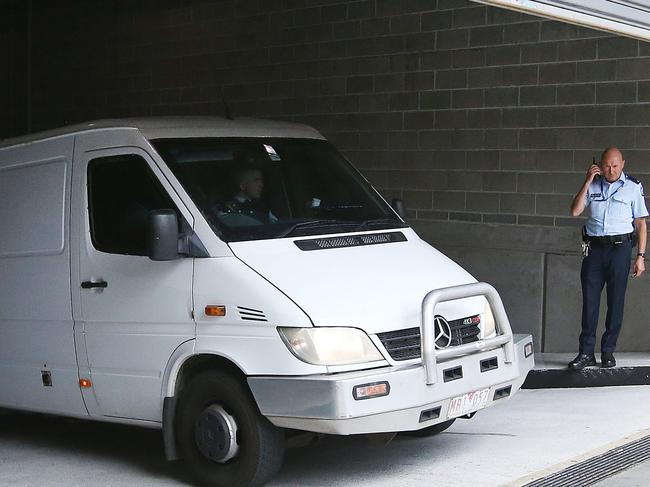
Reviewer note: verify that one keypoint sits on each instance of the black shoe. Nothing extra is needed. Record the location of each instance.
(607, 360)
(581, 361)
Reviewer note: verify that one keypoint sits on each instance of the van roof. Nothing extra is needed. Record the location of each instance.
(180, 127)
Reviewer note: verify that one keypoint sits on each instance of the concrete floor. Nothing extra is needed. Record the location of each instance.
(533, 434)
(638, 476)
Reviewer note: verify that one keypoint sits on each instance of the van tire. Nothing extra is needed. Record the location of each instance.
(260, 444)
(431, 430)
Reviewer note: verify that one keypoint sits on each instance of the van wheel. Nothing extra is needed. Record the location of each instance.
(222, 437)
(431, 430)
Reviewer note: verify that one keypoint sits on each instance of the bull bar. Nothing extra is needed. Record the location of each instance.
(430, 355)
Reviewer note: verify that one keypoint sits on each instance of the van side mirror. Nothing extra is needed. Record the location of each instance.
(163, 235)
(399, 207)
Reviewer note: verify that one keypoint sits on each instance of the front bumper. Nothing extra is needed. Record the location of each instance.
(325, 403)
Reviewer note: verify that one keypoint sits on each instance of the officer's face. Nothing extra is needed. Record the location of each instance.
(612, 165)
(252, 184)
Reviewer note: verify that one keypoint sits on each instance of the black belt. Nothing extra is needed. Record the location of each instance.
(610, 239)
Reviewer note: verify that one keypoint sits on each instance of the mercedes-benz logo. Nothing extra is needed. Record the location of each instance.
(442, 332)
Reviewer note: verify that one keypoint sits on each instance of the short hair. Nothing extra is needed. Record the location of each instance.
(245, 162)
(610, 149)
(242, 173)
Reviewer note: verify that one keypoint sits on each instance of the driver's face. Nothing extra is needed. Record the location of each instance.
(252, 184)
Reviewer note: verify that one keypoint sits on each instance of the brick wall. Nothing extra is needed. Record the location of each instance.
(482, 119)
(469, 113)
(12, 68)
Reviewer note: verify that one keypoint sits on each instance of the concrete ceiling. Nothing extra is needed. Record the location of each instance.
(629, 18)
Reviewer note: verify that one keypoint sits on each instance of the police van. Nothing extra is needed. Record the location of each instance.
(232, 282)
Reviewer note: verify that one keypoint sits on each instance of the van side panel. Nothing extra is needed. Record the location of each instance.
(36, 326)
(33, 197)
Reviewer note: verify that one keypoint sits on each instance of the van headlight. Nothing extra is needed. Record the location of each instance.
(330, 346)
(487, 321)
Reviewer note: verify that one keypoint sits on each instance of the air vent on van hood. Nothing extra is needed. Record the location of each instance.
(350, 241)
(250, 314)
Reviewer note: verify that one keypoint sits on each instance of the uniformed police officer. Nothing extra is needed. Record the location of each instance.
(617, 209)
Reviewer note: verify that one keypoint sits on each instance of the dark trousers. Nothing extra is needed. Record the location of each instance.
(606, 264)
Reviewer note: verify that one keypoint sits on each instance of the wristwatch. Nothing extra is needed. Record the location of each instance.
(641, 254)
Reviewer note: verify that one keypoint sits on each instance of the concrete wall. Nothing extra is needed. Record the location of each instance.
(483, 120)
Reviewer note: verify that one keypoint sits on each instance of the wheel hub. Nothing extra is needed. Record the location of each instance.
(215, 432)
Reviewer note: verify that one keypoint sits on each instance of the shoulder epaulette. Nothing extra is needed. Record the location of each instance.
(633, 179)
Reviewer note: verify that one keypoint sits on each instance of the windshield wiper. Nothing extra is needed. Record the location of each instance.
(378, 221)
(312, 223)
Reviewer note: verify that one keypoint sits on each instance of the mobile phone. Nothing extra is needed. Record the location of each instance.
(594, 163)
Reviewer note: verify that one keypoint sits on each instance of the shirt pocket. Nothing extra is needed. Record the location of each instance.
(620, 208)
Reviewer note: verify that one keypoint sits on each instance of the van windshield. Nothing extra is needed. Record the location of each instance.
(262, 188)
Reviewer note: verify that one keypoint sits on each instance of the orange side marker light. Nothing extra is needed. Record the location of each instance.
(214, 310)
(85, 383)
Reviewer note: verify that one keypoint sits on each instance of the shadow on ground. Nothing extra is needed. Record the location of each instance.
(330, 460)
(139, 448)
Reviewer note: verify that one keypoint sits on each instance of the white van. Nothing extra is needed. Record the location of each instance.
(229, 281)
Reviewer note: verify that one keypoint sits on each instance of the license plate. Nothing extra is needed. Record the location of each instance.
(468, 403)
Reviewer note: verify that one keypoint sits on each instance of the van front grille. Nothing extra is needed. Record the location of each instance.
(405, 344)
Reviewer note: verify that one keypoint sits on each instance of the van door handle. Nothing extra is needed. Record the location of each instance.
(90, 284)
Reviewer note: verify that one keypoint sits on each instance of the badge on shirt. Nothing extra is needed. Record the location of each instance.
(596, 195)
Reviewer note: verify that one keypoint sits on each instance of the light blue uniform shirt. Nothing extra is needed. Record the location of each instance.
(614, 206)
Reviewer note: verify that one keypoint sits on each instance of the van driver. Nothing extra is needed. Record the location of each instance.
(247, 201)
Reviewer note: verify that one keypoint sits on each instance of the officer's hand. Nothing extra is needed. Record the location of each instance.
(593, 171)
(639, 267)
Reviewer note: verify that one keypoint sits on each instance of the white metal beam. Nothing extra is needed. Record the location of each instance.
(629, 18)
